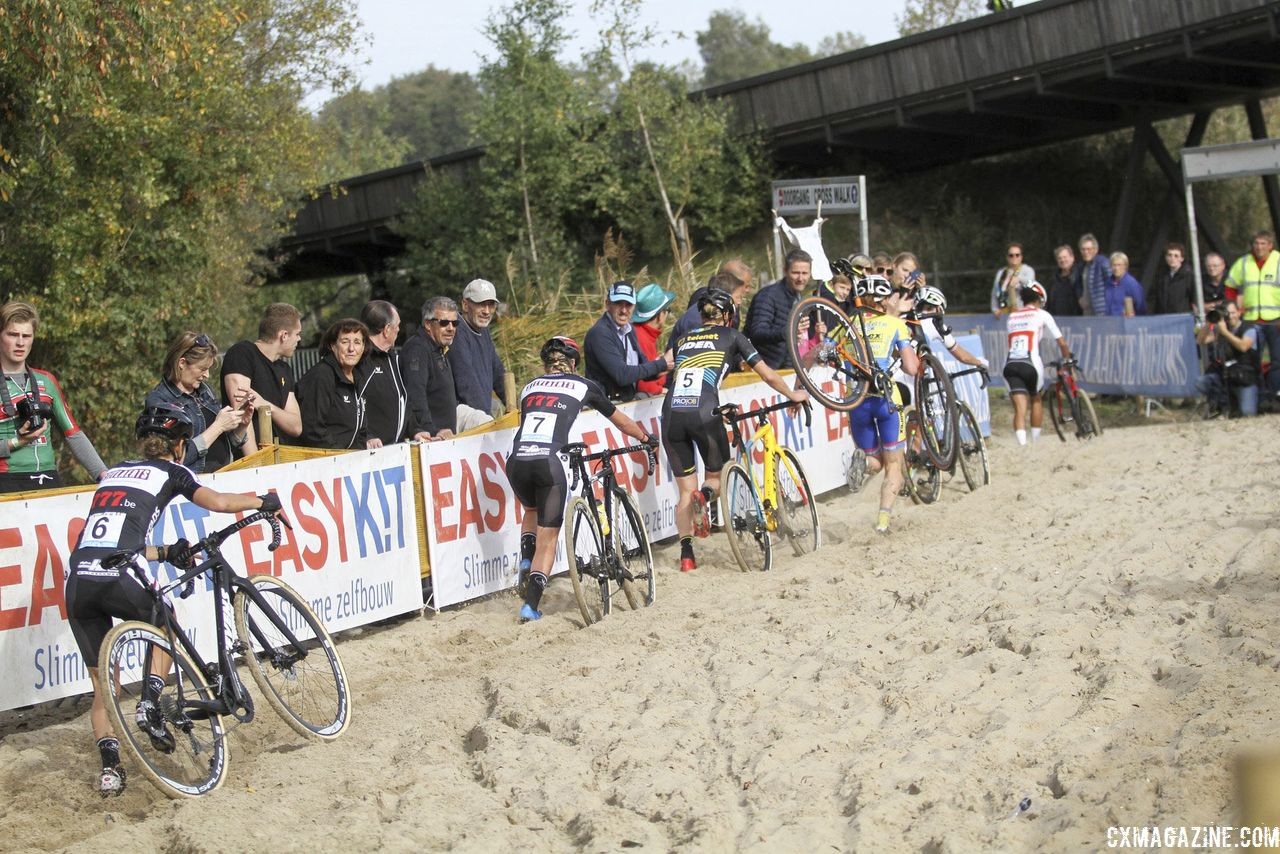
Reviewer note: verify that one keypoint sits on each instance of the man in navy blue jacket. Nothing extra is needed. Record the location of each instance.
(477, 368)
(770, 310)
(614, 358)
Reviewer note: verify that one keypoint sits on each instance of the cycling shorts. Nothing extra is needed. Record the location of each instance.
(540, 483)
(876, 426)
(93, 602)
(1022, 377)
(686, 431)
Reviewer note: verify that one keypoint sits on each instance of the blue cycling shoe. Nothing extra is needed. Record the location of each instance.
(527, 613)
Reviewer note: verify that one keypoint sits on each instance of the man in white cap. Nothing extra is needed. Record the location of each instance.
(613, 354)
(477, 370)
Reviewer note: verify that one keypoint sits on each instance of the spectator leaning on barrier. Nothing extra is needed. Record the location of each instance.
(1124, 297)
(1214, 282)
(1234, 361)
(650, 316)
(1095, 273)
(612, 350)
(333, 413)
(220, 433)
(1173, 291)
(263, 367)
(771, 309)
(27, 458)
(1009, 279)
(1065, 290)
(477, 369)
(1255, 276)
(388, 416)
(428, 374)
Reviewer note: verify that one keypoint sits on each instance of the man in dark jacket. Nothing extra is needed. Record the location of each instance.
(733, 276)
(1065, 287)
(477, 369)
(771, 309)
(428, 375)
(1173, 291)
(388, 416)
(613, 354)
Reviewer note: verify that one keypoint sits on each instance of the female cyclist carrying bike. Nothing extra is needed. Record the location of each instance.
(1023, 369)
(548, 407)
(703, 358)
(122, 514)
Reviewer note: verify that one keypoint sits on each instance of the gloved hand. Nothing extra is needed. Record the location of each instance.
(652, 440)
(270, 502)
(180, 554)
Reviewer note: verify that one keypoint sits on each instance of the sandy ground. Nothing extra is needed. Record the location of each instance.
(1094, 631)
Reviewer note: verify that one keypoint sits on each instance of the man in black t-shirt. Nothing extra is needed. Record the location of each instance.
(263, 366)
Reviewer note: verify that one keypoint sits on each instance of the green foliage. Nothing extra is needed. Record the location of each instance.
(733, 47)
(919, 16)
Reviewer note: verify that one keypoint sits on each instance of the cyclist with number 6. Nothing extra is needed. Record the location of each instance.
(1023, 368)
(548, 407)
(703, 357)
(122, 514)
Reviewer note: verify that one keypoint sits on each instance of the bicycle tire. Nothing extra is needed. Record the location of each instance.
(1087, 425)
(196, 762)
(1052, 401)
(743, 517)
(840, 359)
(635, 555)
(973, 450)
(923, 481)
(935, 402)
(797, 508)
(588, 570)
(305, 684)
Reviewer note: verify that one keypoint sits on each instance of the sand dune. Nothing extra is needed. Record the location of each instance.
(1094, 631)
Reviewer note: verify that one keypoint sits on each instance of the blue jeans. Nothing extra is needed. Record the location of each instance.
(1269, 332)
(1216, 391)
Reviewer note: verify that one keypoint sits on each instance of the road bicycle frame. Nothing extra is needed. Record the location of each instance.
(765, 488)
(581, 474)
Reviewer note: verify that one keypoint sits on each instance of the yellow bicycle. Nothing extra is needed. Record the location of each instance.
(772, 497)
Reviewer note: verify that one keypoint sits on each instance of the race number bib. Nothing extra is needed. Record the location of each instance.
(102, 530)
(539, 427)
(1020, 346)
(688, 387)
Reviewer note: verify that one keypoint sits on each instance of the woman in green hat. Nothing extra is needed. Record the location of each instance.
(652, 305)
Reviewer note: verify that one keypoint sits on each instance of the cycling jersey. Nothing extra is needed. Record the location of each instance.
(39, 456)
(886, 337)
(548, 407)
(703, 358)
(1026, 327)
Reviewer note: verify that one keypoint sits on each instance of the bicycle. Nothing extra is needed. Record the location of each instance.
(781, 501)
(290, 656)
(839, 355)
(922, 479)
(605, 540)
(935, 403)
(1067, 404)
(972, 450)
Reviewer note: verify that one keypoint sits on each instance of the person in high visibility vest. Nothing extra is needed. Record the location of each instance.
(1255, 276)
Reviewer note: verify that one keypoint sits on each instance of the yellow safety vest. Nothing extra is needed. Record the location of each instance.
(1259, 289)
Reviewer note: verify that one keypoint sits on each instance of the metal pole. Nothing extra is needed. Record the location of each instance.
(862, 214)
(777, 248)
(1195, 253)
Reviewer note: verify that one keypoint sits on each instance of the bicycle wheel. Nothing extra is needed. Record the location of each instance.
(923, 481)
(1052, 401)
(631, 544)
(833, 367)
(1087, 423)
(936, 404)
(744, 520)
(192, 758)
(973, 450)
(588, 563)
(797, 508)
(304, 682)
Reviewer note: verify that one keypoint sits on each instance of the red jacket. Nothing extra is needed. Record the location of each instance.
(647, 335)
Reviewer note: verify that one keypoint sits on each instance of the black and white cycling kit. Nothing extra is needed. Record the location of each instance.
(548, 407)
(703, 358)
(123, 511)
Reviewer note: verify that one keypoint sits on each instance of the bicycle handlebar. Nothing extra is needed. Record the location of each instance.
(986, 376)
(730, 411)
(576, 452)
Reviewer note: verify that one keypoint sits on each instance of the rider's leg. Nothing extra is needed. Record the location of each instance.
(544, 555)
(891, 462)
(1037, 416)
(1020, 402)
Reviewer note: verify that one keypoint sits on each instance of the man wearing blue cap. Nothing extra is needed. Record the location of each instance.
(613, 354)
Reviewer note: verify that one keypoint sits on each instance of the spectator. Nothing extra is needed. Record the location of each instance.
(1009, 280)
(388, 416)
(1065, 291)
(904, 271)
(27, 458)
(333, 412)
(724, 280)
(1095, 272)
(1233, 364)
(263, 367)
(652, 308)
(1255, 276)
(882, 264)
(428, 374)
(770, 310)
(612, 351)
(1214, 282)
(478, 371)
(218, 434)
(1122, 287)
(1173, 291)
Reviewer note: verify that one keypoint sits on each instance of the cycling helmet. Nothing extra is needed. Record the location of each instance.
(722, 300)
(560, 345)
(875, 287)
(164, 419)
(855, 266)
(931, 295)
(1038, 289)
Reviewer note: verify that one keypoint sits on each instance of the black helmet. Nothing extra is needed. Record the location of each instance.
(722, 300)
(164, 419)
(560, 345)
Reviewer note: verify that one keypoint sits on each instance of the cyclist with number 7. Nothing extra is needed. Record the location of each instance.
(548, 407)
(122, 513)
(703, 358)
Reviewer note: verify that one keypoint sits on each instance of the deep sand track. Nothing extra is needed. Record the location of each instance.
(1095, 630)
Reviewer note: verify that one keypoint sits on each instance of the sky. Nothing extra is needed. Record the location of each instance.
(409, 35)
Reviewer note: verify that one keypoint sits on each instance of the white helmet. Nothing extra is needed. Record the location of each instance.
(876, 287)
(931, 295)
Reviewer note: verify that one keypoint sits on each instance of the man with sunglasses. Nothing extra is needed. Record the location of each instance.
(1010, 278)
(428, 370)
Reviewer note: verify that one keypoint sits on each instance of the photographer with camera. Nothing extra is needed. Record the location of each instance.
(31, 401)
(1234, 363)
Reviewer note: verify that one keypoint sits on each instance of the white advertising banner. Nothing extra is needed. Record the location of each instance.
(352, 554)
(473, 519)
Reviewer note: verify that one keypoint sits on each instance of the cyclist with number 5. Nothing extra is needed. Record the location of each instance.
(1023, 369)
(122, 513)
(703, 357)
(548, 407)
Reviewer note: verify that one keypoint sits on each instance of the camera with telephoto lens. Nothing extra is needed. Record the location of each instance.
(1213, 316)
(33, 412)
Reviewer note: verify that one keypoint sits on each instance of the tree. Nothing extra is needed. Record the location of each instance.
(431, 109)
(919, 16)
(732, 48)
